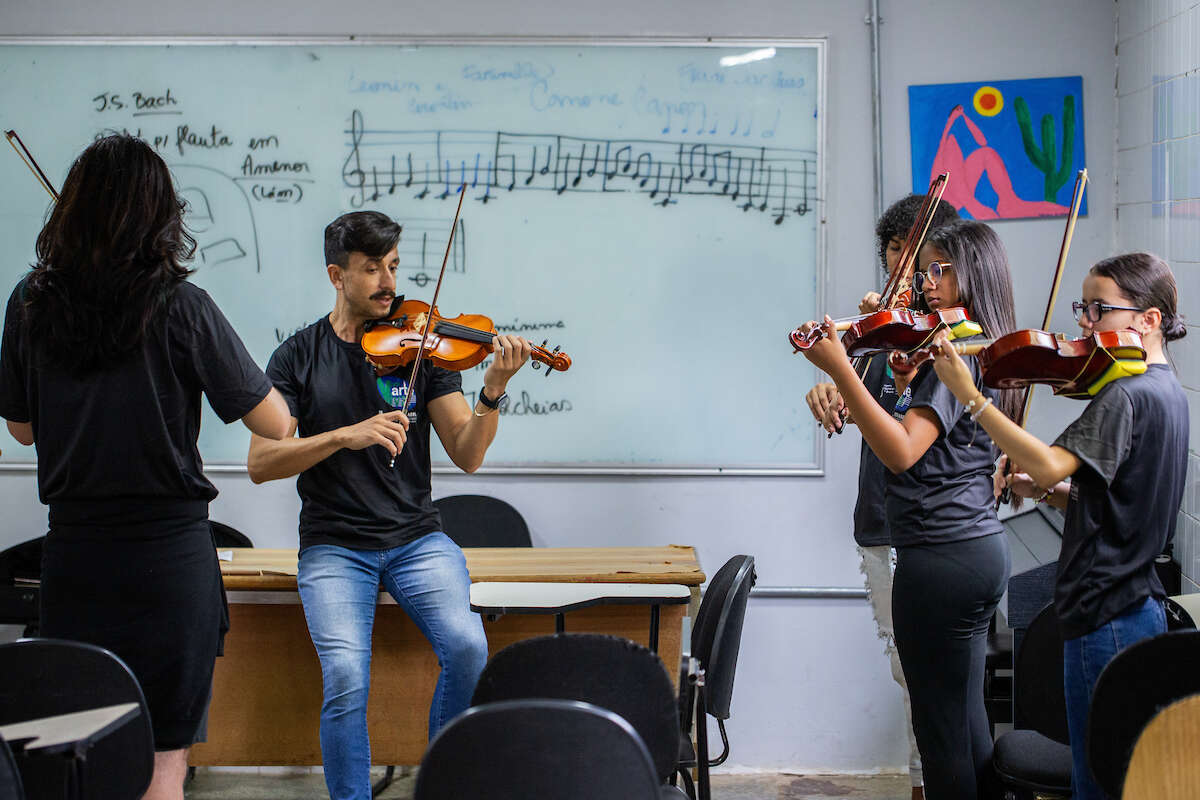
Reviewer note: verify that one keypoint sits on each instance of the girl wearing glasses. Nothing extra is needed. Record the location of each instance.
(870, 523)
(1118, 471)
(952, 559)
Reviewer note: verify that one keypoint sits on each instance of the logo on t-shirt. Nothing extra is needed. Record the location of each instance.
(393, 390)
(902, 404)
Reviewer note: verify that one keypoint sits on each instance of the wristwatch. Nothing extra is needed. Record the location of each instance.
(492, 404)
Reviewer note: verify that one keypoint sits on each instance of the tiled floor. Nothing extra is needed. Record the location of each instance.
(245, 786)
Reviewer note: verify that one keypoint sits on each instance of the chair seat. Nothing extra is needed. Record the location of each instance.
(1000, 649)
(1032, 761)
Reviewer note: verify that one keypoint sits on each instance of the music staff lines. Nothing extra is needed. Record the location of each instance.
(422, 245)
(777, 182)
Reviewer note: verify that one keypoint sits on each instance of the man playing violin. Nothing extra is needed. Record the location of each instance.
(364, 520)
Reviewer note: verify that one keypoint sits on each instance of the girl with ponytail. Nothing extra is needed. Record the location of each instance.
(1118, 471)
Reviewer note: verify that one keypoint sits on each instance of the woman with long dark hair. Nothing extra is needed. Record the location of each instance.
(106, 351)
(1126, 461)
(952, 560)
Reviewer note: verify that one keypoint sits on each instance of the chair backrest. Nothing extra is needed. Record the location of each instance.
(228, 536)
(1138, 682)
(46, 677)
(544, 749)
(717, 630)
(19, 604)
(606, 671)
(10, 778)
(22, 560)
(476, 520)
(1164, 764)
(1178, 618)
(1039, 701)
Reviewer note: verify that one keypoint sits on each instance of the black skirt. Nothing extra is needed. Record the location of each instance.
(140, 579)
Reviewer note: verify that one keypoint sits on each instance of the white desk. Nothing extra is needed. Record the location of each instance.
(64, 733)
(497, 598)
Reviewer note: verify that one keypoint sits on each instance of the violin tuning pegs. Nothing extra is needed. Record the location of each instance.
(536, 365)
(545, 342)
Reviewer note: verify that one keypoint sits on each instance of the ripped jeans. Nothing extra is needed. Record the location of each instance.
(877, 566)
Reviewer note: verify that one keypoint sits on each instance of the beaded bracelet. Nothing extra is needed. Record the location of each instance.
(975, 414)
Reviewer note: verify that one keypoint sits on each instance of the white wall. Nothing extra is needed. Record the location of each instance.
(814, 689)
(1158, 112)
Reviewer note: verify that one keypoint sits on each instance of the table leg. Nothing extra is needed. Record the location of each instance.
(654, 628)
(560, 623)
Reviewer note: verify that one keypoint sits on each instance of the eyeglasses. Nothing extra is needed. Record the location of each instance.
(1095, 310)
(933, 274)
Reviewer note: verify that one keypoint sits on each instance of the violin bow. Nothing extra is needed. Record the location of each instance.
(900, 278)
(27, 157)
(412, 377)
(1081, 179)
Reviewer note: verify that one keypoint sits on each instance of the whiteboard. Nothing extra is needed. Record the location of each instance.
(653, 210)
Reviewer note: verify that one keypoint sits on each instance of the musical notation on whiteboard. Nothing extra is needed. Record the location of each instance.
(777, 182)
(422, 245)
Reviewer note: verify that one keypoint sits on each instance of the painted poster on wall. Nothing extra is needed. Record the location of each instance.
(1012, 148)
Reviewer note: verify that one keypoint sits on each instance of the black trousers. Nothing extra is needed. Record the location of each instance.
(943, 598)
(150, 591)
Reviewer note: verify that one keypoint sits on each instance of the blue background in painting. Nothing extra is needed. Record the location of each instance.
(930, 105)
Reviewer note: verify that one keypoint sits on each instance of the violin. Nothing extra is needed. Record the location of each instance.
(456, 343)
(1075, 368)
(896, 329)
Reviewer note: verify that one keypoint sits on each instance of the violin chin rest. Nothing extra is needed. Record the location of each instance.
(1121, 368)
(965, 329)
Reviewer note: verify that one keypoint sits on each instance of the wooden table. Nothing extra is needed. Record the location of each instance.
(267, 688)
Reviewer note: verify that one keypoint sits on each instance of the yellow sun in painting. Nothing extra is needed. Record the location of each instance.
(988, 101)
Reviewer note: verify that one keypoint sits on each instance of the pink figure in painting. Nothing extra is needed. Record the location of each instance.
(967, 171)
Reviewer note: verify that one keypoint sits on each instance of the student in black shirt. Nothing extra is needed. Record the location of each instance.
(1126, 458)
(952, 560)
(106, 352)
(364, 521)
(870, 523)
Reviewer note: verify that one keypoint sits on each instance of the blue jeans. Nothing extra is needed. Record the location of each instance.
(339, 588)
(1083, 660)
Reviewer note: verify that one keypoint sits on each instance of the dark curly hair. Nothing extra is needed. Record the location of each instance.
(108, 257)
(898, 220)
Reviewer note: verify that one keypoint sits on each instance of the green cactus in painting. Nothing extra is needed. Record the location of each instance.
(1043, 157)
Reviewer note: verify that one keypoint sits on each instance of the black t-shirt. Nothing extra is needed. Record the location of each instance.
(352, 498)
(130, 431)
(1124, 503)
(870, 521)
(947, 495)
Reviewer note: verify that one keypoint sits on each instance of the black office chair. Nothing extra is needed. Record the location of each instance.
(20, 568)
(544, 749)
(476, 520)
(228, 536)
(606, 671)
(997, 687)
(1178, 618)
(1139, 682)
(1036, 759)
(10, 777)
(707, 690)
(47, 677)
